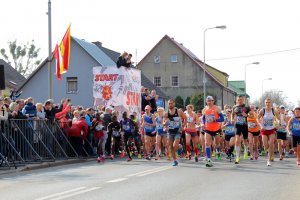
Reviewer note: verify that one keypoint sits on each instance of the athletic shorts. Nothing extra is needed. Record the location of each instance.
(228, 137)
(281, 135)
(193, 134)
(268, 132)
(242, 129)
(255, 134)
(296, 141)
(174, 136)
(150, 134)
(212, 133)
(164, 134)
(202, 132)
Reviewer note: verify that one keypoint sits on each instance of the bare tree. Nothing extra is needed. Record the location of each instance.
(24, 58)
(276, 97)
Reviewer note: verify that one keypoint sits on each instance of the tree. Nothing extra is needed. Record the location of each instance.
(276, 97)
(197, 101)
(179, 103)
(24, 58)
(187, 101)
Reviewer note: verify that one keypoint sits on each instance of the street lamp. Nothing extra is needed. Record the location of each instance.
(254, 63)
(262, 87)
(204, 67)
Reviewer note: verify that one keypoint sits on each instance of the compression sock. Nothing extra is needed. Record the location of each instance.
(237, 151)
(208, 153)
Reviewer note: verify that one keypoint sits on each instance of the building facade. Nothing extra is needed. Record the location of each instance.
(178, 72)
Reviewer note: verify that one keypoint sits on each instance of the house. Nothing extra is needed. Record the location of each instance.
(177, 71)
(13, 79)
(77, 83)
(240, 88)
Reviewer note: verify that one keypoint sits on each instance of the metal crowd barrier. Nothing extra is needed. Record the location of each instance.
(36, 141)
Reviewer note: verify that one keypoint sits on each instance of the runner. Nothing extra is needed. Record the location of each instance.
(191, 132)
(253, 129)
(293, 128)
(148, 123)
(136, 135)
(114, 128)
(126, 127)
(240, 114)
(212, 115)
(229, 133)
(161, 136)
(97, 128)
(173, 118)
(281, 132)
(267, 116)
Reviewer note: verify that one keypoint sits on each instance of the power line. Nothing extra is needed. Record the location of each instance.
(253, 55)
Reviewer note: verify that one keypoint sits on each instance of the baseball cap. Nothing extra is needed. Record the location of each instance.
(281, 107)
(209, 98)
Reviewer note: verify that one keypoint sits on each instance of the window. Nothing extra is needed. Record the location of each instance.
(156, 59)
(174, 58)
(174, 81)
(157, 81)
(72, 85)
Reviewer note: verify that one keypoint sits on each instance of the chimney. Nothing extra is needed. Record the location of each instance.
(99, 44)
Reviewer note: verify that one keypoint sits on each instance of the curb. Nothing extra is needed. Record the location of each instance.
(46, 165)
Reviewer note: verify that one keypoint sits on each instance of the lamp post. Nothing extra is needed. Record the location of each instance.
(204, 67)
(262, 87)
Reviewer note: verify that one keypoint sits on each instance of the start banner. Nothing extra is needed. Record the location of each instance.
(119, 88)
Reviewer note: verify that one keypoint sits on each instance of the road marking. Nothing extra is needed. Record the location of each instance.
(76, 193)
(150, 170)
(61, 193)
(117, 180)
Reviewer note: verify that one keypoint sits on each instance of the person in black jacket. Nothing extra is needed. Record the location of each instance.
(124, 60)
(145, 99)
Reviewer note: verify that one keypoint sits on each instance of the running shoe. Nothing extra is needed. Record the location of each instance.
(209, 163)
(218, 156)
(175, 163)
(98, 159)
(245, 155)
(148, 158)
(196, 159)
(281, 157)
(268, 163)
(139, 156)
(122, 154)
(129, 159)
(237, 160)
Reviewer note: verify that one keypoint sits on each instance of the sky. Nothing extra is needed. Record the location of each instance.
(253, 27)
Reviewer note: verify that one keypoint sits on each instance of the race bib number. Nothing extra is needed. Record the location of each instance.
(116, 133)
(282, 128)
(160, 126)
(296, 126)
(190, 119)
(229, 129)
(174, 124)
(241, 120)
(210, 119)
(268, 123)
(251, 125)
(126, 128)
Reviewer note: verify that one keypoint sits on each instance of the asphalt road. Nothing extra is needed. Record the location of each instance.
(141, 179)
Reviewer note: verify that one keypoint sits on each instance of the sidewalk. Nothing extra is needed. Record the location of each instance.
(35, 166)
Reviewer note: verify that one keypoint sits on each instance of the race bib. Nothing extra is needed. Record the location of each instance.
(296, 126)
(210, 119)
(251, 125)
(99, 127)
(126, 128)
(190, 119)
(160, 126)
(268, 122)
(241, 120)
(230, 129)
(116, 133)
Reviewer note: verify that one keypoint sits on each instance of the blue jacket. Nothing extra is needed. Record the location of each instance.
(29, 109)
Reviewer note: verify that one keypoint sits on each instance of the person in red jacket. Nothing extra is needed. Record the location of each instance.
(98, 128)
(78, 133)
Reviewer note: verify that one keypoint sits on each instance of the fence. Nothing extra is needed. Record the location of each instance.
(36, 141)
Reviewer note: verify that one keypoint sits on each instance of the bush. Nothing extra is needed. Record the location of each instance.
(179, 103)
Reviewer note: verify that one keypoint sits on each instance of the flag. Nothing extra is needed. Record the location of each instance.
(62, 54)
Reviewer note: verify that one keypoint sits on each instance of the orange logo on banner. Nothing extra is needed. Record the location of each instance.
(106, 92)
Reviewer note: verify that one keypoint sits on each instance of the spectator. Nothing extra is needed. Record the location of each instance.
(99, 137)
(146, 99)
(14, 95)
(7, 102)
(89, 120)
(122, 60)
(153, 100)
(40, 113)
(29, 109)
(78, 133)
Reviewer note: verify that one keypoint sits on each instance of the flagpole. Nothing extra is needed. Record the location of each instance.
(50, 50)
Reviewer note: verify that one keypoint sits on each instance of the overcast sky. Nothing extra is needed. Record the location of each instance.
(253, 27)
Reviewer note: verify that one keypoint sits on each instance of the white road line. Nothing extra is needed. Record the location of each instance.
(61, 193)
(76, 193)
(150, 170)
(116, 180)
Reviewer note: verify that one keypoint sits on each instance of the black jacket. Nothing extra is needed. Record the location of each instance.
(122, 62)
